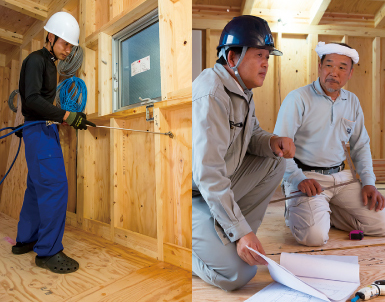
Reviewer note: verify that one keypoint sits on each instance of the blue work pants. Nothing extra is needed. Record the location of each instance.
(42, 216)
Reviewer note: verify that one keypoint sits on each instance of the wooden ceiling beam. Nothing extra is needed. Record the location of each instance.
(379, 18)
(27, 7)
(280, 14)
(54, 7)
(317, 11)
(11, 37)
(247, 6)
(299, 29)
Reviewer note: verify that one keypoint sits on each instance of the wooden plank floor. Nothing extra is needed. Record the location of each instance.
(108, 272)
(276, 238)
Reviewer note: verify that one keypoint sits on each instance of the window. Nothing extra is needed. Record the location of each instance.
(136, 63)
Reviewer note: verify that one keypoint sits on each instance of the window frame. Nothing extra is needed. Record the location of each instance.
(117, 39)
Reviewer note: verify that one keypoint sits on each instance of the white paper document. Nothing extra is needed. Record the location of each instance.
(140, 66)
(324, 278)
(276, 292)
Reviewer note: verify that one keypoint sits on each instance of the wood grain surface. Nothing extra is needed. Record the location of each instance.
(108, 272)
(277, 238)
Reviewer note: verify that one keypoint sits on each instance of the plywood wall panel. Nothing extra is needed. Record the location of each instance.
(293, 63)
(96, 200)
(4, 114)
(330, 38)
(68, 141)
(175, 155)
(212, 41)
(12, 194)
(102, 13)
(135, 206)
(361, 81)
(264, 99)
(175, 32)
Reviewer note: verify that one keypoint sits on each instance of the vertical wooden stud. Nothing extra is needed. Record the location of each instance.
(115, 150)
(208, 50)
(35, 45)
(312, 62)
(376, 99)
(278, 72)
(160, 125)
(105, 74)
(345, 39)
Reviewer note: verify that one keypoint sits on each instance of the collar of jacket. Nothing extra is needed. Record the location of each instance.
(318, 90)
(48, 54)
(229, 83)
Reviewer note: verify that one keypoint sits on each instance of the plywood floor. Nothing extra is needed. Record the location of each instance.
(276, 238)
(108, 272)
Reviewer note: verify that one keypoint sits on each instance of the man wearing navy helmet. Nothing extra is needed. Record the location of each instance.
(236, 165)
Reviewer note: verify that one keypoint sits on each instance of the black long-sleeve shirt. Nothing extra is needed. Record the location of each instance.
(37, 86)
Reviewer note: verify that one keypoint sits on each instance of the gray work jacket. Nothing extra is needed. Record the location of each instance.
(224, 128)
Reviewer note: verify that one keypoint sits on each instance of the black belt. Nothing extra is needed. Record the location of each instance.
(322, 170)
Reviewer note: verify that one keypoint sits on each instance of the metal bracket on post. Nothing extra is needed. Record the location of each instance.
(149, 104)
(148, 118)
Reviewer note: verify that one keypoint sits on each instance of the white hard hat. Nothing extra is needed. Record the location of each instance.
(65, 26)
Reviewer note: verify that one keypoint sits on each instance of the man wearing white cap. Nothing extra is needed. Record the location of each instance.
(318, 117)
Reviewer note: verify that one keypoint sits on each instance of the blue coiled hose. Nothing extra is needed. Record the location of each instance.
(69, 99)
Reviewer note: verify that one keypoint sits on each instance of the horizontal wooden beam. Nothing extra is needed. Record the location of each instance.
(216, 9)
(299, 28)
(287, 16)
(27, 7)
(317, 11)
(247, 7)
(58, 5)
(122, 20)
(11, 37)
(379, 18)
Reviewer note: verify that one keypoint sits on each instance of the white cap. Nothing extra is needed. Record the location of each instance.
(325, 49)
(65, 26)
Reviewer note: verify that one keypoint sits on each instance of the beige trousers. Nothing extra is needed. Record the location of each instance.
(310, 218)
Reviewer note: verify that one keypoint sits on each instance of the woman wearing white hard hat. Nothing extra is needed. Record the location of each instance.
(42, 217)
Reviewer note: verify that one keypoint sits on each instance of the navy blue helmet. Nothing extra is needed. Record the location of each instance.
(250, 31)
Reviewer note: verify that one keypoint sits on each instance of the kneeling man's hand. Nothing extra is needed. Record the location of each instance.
(310, 187)
(248, 256)
(282, 146)
(375, 197)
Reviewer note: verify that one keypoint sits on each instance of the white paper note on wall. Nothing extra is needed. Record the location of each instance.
(140, 66)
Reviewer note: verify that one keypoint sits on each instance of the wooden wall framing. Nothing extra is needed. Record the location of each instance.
(132, 189)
